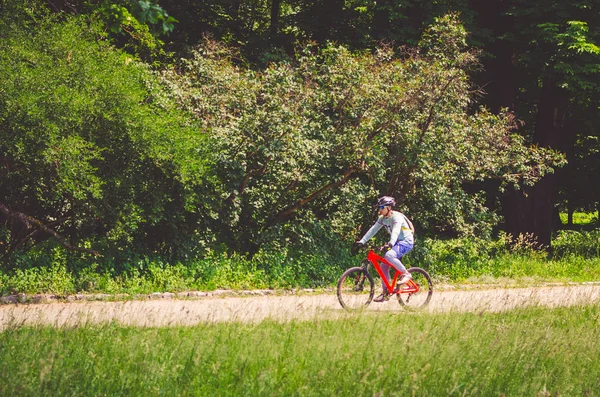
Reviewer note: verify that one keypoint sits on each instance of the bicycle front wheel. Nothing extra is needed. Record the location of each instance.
(355, 288)
(416, 294)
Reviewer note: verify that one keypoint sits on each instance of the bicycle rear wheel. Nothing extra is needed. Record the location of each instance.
(416, 294)
(355, 288)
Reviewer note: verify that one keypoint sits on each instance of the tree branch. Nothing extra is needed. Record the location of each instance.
(249, 175)
(289, 211)
(425, 126)
(33, 232)
(31, 222)
(386, 124)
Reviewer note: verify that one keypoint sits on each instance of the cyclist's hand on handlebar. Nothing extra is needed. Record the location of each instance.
(385, 247)
(356, 247)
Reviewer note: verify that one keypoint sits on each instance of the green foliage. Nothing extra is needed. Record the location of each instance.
(575, 57)
(554, 57)
(286, 159)
(137, 24)
(55, 278)
(88, 144)
(48, 269)
(531, 351)
(506, 260)
(575, 257)
(581, 244)
(580, 218)
(294, 139)
(152, 13)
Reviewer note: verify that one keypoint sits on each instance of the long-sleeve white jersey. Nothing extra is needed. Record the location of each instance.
(396, 226)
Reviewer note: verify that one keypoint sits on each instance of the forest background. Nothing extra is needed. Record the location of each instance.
(178, 145)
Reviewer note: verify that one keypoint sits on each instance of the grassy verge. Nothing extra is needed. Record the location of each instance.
(575, 258)
(535, 351)
(161, 277)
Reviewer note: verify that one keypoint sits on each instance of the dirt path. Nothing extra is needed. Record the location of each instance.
(281, 308)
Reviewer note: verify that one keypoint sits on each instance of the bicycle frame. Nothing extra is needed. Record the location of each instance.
(411, 286)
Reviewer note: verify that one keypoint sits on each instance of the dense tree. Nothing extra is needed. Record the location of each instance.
(543, 65)
(90, 153)
(323, 136)
(540, 61)
(289, 135)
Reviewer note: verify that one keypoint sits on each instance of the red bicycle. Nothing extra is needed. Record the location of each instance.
(356, 287)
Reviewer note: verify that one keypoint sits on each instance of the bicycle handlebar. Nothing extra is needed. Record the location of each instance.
(360, 248)
(375, 247)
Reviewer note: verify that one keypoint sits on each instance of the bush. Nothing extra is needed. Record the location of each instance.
(53, 270)
(578, 243)
(320, 136)
(54, 278)
(457, 259)
(574, 256)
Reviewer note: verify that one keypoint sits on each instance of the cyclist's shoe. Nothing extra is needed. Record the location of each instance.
(402, 281)
(406, 277)
(382, 298)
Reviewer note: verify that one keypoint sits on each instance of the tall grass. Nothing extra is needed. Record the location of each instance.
(275, 269)
(534, 351)
(575, 257)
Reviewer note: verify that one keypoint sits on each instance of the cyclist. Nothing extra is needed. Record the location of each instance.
(401, 241)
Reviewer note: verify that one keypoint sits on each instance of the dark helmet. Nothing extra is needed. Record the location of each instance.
(386, 201)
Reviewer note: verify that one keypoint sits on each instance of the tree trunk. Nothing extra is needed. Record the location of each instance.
(532, 210)
(328, 14)
(498, 75)
(274, 28)
(381, 20)
(570, 211)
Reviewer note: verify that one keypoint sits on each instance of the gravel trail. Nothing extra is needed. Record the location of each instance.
(303, 306)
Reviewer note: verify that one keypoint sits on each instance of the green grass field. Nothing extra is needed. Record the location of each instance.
(580, 218)
(528, 352)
